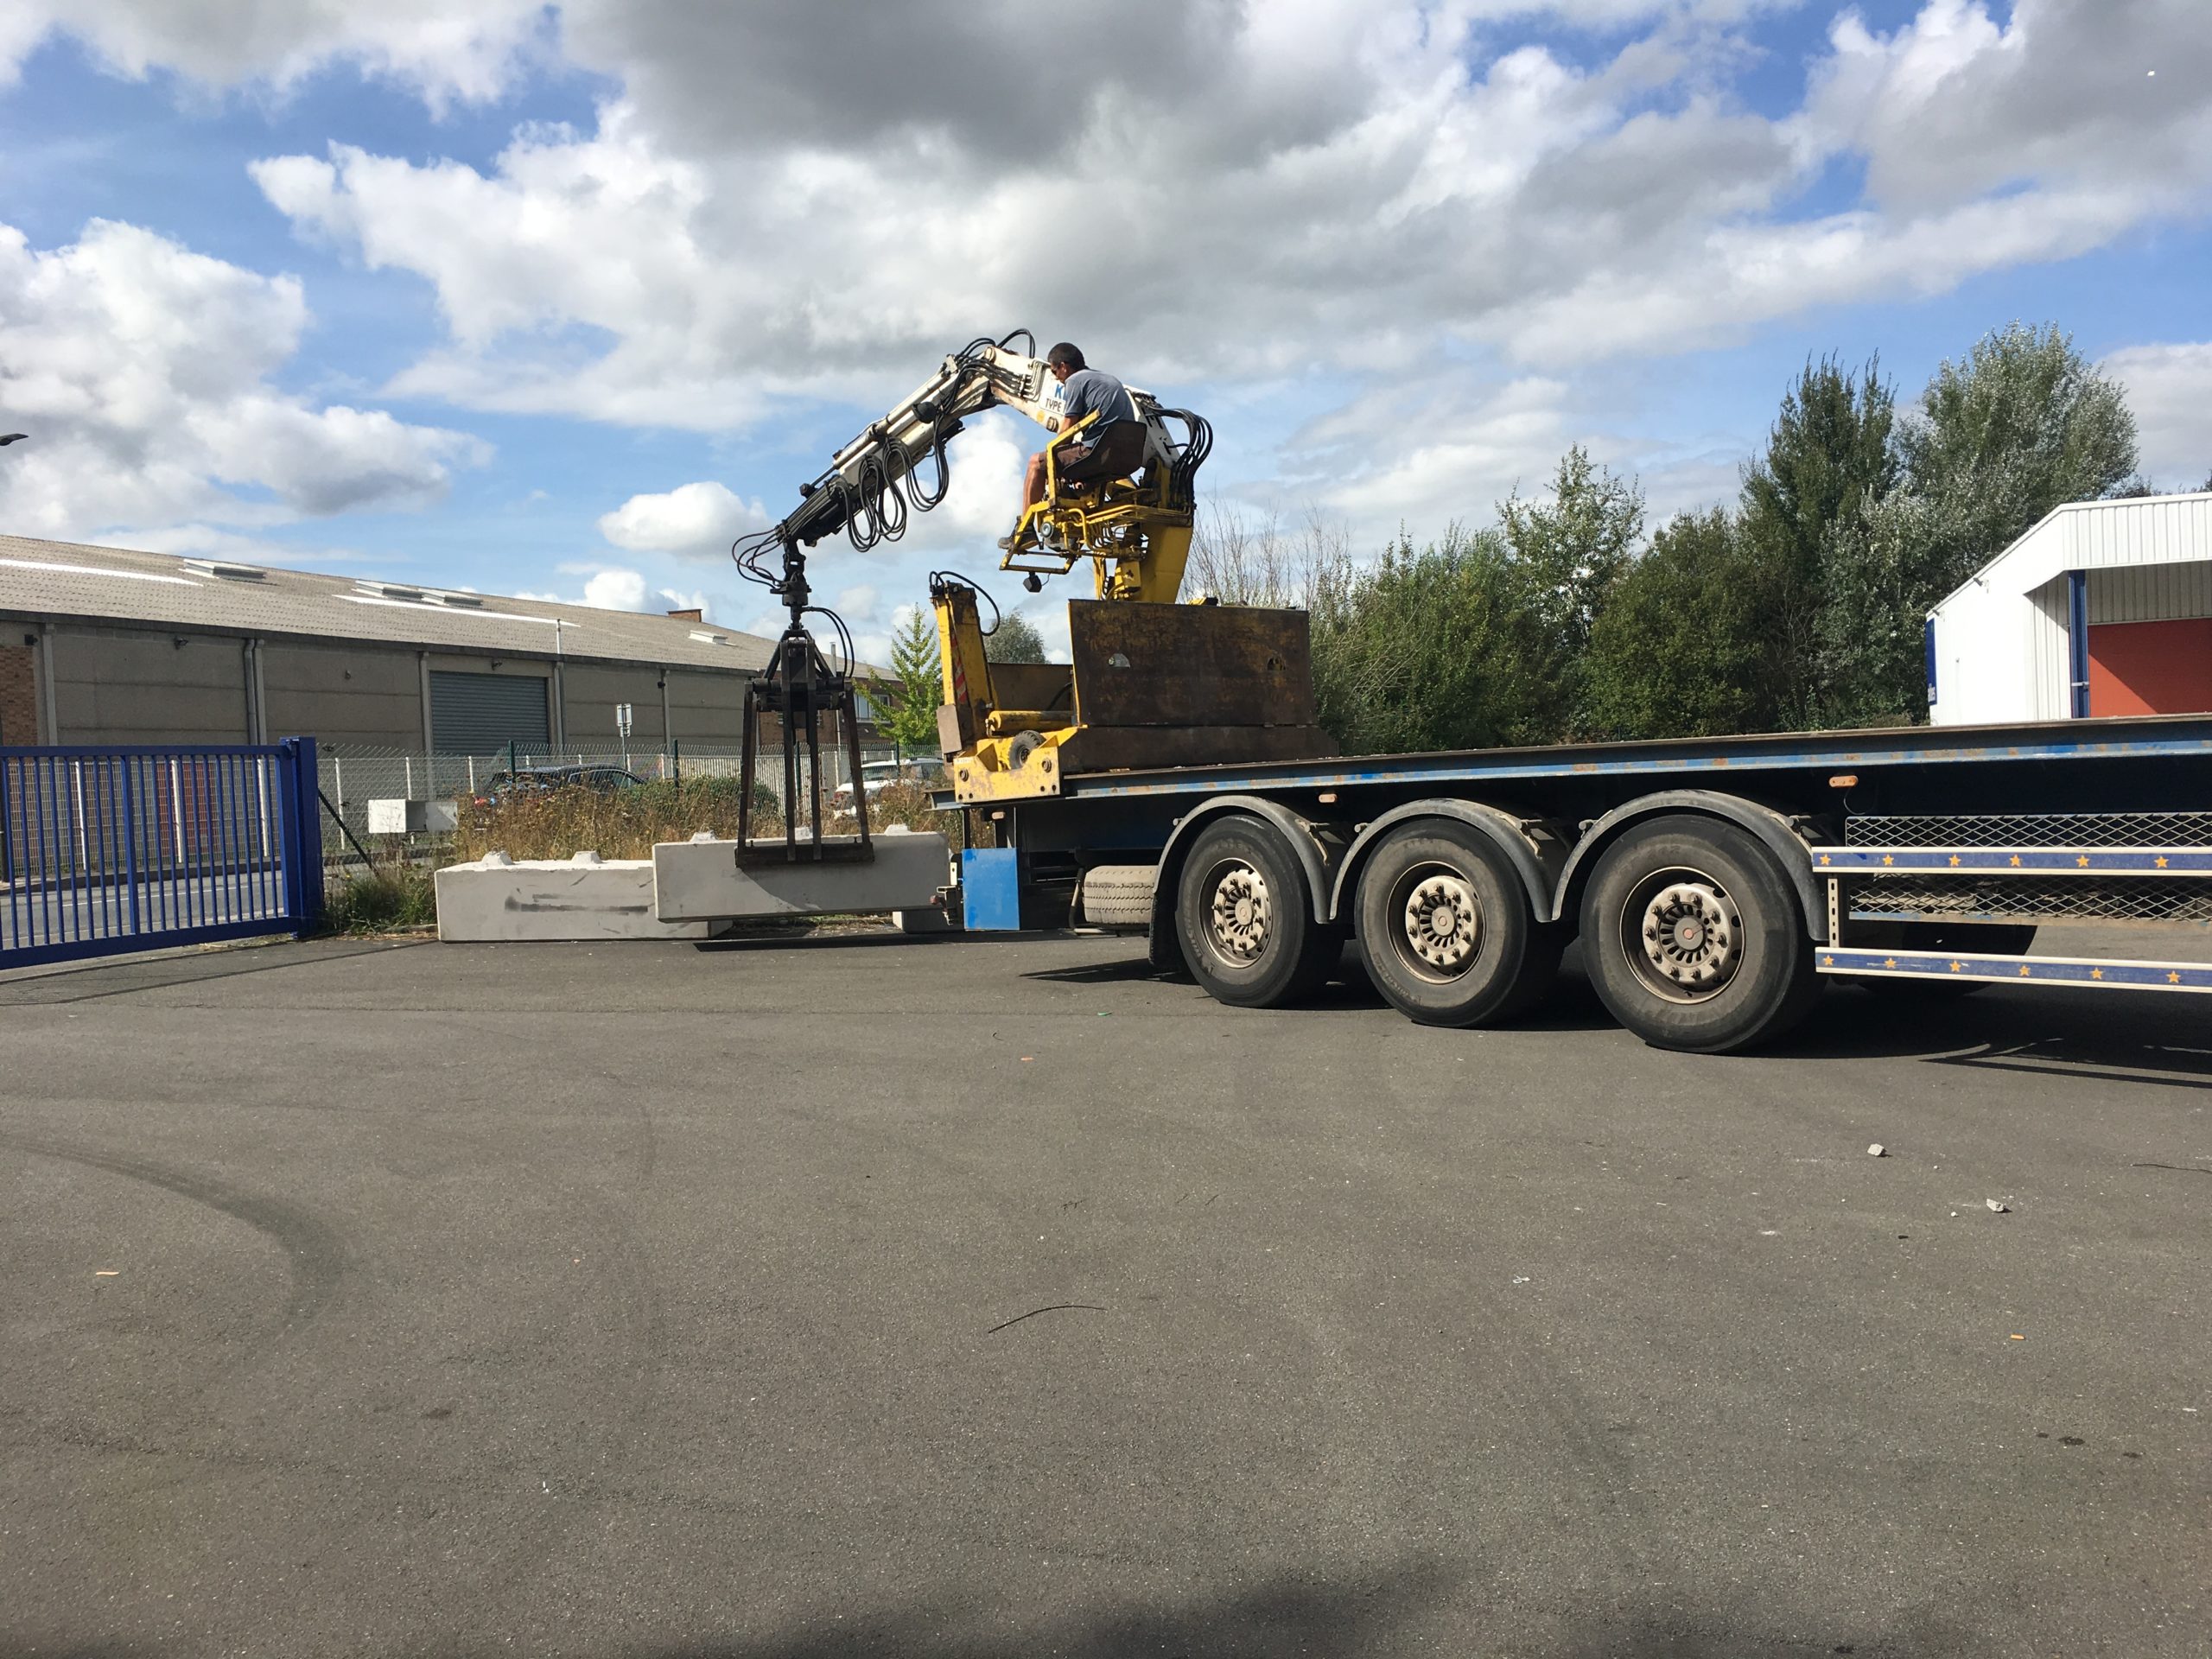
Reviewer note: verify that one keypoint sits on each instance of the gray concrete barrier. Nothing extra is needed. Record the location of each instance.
(708, 880)
(587, 897)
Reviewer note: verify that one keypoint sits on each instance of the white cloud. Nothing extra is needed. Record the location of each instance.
(142, 371)
(444, 50)
(616, 590)
(618, 587)
(694, 521)
(1953, 104)
(1329, 185)
(2169, 389)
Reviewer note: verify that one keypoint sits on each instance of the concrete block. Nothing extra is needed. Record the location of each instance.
(411, 817)
(706, 880)
(584, 897)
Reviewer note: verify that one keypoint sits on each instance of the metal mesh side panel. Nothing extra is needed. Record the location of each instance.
(2118, 900)
(2039, 830)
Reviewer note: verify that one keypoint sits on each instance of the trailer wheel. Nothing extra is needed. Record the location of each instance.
(1244, 918)
(1446, 930)
(1693, 938)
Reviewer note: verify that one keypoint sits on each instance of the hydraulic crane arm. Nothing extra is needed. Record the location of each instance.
(1004, 724)
(867, 486)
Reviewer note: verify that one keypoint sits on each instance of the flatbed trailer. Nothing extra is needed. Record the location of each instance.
(1715, 882)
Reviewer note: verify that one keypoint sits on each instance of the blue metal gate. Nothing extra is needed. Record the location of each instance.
(104, 850)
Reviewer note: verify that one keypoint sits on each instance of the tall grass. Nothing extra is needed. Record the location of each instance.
(381, 900)
(624, 824)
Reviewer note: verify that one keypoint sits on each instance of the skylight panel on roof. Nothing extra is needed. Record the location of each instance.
(399, 590)
(94, 570)
(709, 637)
(223, 568)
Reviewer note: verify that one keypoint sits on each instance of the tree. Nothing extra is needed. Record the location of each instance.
(1829, 454)
(917, 684)
(1013, 640)
(1681, 648)
(1239, 561)
(1439, 649)
(1573, 547)
(2024, 424)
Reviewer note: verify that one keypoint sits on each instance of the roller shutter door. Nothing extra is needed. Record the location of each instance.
(2150, 668)
(476, 714)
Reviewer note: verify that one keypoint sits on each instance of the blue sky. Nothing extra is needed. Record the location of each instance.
(556, 299)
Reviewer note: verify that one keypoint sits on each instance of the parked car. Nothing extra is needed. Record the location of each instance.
(927, 774)
(536, 781)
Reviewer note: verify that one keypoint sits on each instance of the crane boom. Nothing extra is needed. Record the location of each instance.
(1013, 730)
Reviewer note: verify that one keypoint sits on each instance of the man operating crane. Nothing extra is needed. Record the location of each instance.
(1111, 447)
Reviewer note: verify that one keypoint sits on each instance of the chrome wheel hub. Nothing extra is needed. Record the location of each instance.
(1692, 939)
(1241, 913)
(1443, 923)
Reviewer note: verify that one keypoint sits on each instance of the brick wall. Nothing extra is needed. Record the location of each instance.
(18, 695)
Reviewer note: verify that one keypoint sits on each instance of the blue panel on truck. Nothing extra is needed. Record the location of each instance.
(990, 885)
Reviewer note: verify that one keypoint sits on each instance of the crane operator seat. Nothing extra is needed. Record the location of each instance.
(1114, 455)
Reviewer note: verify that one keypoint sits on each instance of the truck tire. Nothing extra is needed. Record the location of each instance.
(1446, 930)
(1118, 895)
(1244, 920)
(1693, 936)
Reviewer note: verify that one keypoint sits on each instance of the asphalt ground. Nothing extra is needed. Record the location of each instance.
(991, 1298)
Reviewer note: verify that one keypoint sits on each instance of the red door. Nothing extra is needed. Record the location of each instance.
(2150, 668)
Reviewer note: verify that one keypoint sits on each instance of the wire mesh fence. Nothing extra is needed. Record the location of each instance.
(353, 775)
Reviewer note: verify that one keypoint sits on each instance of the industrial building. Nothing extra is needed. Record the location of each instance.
(2104, 607)
(102, 644)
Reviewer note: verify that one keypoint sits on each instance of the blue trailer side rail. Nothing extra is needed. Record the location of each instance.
(2163, 739)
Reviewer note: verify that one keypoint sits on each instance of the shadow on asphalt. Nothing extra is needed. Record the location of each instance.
(2111, 1037)
(87, 982)
(1305, 1615)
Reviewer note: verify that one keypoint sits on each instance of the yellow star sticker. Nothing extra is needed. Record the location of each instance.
(2083, 862)
(1828, 962)
(1956, 966)
(2024, 970)
(2173, 979)
(2016, 861)
(2097, 973)
(1954, 860)
(1886, 859)
(1825, 859)
(2162, 863)
(1889, 962)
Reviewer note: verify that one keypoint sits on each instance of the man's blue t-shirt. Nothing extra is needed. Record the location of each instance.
(1094, 388)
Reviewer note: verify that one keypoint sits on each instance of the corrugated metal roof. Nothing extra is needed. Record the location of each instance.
(2100, 534)
(68, 579)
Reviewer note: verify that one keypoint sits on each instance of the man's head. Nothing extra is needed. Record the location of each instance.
(1064, 360)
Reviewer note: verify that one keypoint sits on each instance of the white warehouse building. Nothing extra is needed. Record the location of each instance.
(2105, 608)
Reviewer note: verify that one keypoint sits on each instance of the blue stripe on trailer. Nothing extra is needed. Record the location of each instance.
(2013, 860)
(2187, 738)
(2012, 970)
